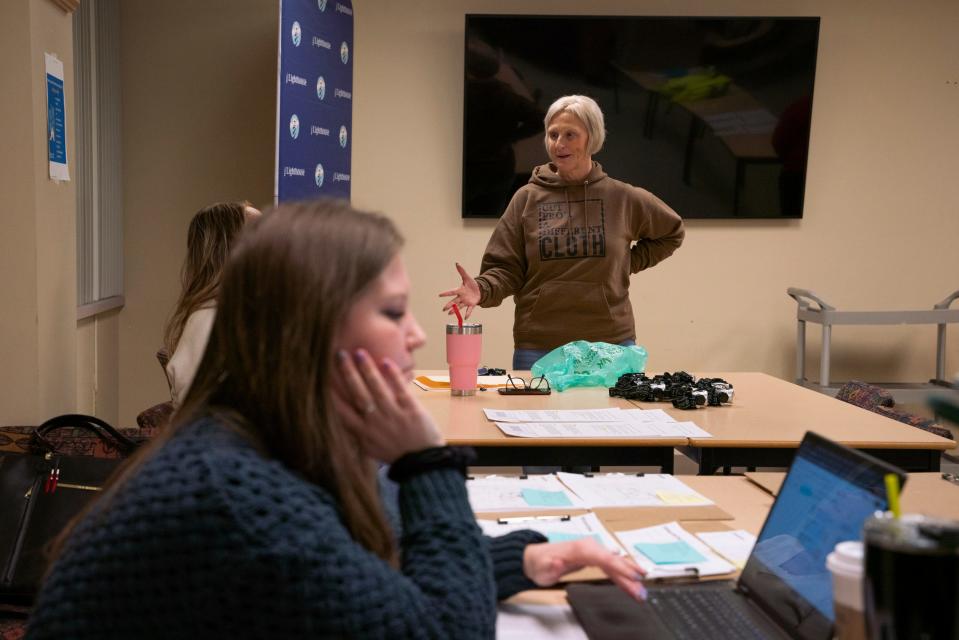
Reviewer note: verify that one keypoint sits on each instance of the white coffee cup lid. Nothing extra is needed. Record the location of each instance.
(846, 558)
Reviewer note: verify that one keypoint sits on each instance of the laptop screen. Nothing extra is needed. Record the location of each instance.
(826, 497)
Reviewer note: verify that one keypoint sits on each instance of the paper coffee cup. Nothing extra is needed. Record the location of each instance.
(845, 563)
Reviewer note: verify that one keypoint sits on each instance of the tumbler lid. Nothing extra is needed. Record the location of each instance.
(468, 328)
(913, 534)
(946, 532)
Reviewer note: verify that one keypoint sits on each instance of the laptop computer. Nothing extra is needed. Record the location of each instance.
(785, 590)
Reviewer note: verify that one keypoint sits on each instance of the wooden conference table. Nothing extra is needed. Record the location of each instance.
(462, 421)
(768, 418)
(746, 500)
(761, 428)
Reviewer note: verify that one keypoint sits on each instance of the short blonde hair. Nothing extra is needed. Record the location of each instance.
(586, 109)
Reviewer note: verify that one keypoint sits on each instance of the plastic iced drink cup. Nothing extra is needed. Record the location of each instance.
(911, 581)
(845, 563)
(464, 346)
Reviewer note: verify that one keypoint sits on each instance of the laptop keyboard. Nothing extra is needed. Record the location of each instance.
(703, 613)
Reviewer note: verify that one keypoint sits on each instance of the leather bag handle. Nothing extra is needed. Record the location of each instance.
(91, 424)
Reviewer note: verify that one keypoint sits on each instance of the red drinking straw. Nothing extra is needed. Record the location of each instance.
(459, 318)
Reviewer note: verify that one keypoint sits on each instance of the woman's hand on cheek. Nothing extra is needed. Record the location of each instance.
(374, 401)
(546, 563)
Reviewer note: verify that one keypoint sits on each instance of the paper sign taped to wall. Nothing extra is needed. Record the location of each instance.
(56, 119)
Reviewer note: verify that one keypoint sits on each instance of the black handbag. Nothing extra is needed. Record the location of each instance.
(40, 492)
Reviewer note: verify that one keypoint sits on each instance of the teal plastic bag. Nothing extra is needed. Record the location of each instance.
(589, 364)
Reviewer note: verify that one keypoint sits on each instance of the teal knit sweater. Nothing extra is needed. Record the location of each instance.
(210, 539)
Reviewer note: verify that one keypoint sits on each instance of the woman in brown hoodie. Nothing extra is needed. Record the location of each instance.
(568, 242)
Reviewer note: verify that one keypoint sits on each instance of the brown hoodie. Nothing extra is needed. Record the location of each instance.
(565, 251)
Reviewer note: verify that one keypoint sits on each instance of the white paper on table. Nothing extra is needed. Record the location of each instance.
(584, 525)
(621, 490)
(550, 415)
(502, 493)
(527, 621)
(591, 429)
(735, 546)
(665, 423)
(672, 532)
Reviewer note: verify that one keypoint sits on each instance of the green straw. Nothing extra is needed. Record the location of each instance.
(892, 492)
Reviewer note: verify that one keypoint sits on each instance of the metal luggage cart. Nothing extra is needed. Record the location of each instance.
(812, 308)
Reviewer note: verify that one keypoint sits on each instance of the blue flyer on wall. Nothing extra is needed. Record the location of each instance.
(56, 119)
(314, 100)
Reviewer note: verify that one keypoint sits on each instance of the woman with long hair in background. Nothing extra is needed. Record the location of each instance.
(209, 240)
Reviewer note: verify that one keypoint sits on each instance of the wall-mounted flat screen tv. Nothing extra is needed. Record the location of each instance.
(711, 114)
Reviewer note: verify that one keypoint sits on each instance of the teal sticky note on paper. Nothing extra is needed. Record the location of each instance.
(559, 536)
(678, 552)
(540, 498)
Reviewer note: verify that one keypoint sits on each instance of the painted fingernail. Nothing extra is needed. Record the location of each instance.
(359, 355)
(341, 355)
(641, 591)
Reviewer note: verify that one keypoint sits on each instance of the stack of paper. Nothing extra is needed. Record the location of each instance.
(558, 528)
(593, 423)
(620, 490)
(498, 493)
(669, 551)
(735, 546)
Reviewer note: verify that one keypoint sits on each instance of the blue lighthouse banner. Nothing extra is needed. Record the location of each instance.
(314, 100)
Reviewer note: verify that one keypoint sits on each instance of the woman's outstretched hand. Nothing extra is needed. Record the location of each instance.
(547, 562)
(375, 403)
(466, 296)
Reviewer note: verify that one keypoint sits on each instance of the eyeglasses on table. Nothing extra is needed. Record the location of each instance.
(518, 386)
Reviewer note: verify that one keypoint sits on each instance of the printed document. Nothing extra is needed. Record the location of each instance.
(556, 528)
(540, 492)
(669, 551)
(735, 546)
(602, 430)
(621, 490)
(550, 415)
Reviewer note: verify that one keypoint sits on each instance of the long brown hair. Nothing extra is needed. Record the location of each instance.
(208, 243)
(269, 366)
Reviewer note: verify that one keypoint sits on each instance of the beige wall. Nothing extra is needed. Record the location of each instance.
(19, 375)
(98, 366)
(38, 244)
(198, 94)
(881, 221)
(56, 218)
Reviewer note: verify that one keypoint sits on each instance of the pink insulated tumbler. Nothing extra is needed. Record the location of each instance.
(464, 344)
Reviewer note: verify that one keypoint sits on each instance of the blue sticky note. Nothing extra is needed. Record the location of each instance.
(559, 536)
(669, 552)
(540, 498)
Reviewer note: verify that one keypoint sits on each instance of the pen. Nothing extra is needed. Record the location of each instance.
(557, 518)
